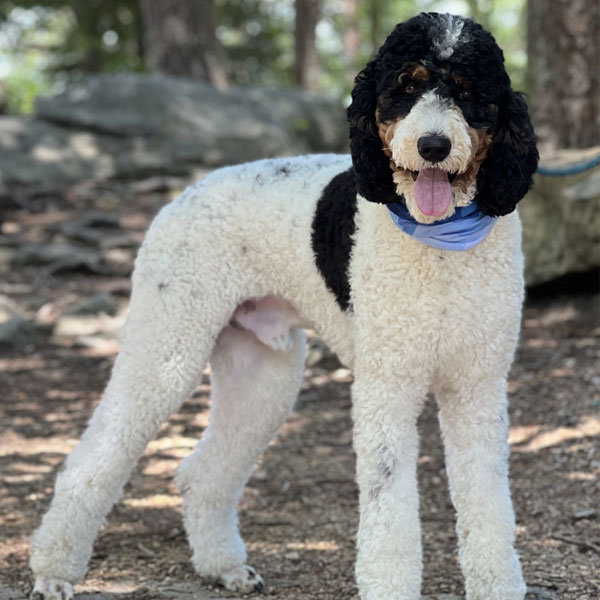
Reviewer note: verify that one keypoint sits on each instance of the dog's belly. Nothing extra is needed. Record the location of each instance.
(244, 233)
(271, 319)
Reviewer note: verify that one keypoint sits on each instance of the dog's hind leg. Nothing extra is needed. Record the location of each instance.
(254, 389)
(164, 350)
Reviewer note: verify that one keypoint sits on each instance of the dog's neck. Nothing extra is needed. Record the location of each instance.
(466, 228)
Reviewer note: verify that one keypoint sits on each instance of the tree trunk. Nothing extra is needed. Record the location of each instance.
(376, 38)
(307, 59)
(351, 38)
(179, 39)
(563, 44)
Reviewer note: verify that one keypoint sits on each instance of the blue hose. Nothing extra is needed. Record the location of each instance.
(571, 170)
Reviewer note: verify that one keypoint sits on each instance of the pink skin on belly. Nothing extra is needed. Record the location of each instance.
(270, 319)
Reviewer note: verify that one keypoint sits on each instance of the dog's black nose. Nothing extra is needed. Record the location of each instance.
(434, 148)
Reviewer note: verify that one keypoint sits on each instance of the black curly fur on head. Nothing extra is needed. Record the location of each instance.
(506, 173)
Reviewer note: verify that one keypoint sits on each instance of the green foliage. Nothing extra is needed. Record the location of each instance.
(258, 38)
(508, 24)
(44, 42)
(21, 87)
(105, 36)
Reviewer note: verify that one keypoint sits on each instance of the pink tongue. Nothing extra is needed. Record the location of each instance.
(433, 192)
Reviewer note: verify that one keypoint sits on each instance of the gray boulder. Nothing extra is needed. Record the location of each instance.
(34, 152)
(133, 125)
(561, 221)
(9, 309)
(102, 303)
(16, 329)
(18, 332)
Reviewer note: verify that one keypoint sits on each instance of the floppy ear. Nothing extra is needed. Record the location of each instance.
(371, 165)
(507, 171)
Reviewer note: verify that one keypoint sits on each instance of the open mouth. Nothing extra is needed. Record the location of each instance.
(433, 190)
(451, 176)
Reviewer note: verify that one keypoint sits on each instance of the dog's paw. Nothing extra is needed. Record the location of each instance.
(242, 579)
(46, 588)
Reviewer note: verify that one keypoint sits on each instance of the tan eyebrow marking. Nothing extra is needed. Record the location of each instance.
(420, 73)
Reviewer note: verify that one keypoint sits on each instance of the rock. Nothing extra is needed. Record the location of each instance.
(10, 240)
(95, 322)
(318, 353)
(115, 260)
(315, 120)
(96, 304)
(134, 126)
(158, 184)
(76, 325)
(540, 593)
(87, 235)
(561, 222)
(43, 254)
(101, 218)
(18, 332)
(34, 152)
(9, 309)
(16, 329)
(7, 593)
(118, 261)
(589, 513)
(124, 240)
(95, 228)
(160, 128)
(130, 105)
(103, 343)
(35, 302)
(68, 326)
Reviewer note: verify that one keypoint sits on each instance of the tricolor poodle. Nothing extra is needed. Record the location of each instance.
(406, 259)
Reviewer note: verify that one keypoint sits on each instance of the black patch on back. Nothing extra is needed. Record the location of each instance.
(332, 230)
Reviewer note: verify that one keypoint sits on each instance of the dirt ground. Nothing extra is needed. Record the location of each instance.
(299, 511)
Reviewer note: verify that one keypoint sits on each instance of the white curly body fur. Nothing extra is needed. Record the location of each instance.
(423, 320)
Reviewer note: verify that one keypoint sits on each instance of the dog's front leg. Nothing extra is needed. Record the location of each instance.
(474, 424)
(385, 412)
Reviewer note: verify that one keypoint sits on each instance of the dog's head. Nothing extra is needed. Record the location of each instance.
(433, 119)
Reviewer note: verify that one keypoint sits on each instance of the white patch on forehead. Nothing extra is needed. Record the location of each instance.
(432, 99)
(445, 41)
(431, 115)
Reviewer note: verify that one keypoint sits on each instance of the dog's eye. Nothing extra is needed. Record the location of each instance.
(466, 95)
(410, 88)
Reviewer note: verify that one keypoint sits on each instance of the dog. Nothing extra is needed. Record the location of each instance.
(405, 258)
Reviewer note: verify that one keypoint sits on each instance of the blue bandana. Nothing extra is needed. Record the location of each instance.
(466, 228)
